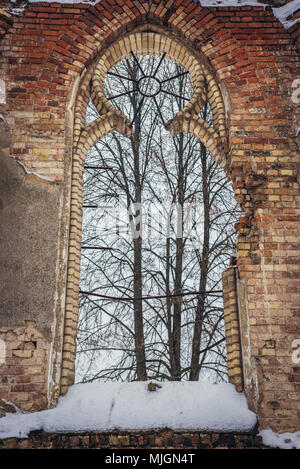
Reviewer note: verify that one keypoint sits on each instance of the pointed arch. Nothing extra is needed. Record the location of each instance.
(144, 40)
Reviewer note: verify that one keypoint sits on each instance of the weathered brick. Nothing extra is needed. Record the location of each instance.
(255, 61)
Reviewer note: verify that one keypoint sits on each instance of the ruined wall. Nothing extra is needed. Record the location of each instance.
(232, 328)
(29, 220)
(24, 375)
(29, 224)
(44, 54)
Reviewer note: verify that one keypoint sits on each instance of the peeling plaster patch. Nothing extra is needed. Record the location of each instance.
(37, 179)
(34, 179)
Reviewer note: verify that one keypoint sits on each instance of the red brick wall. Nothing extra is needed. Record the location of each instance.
(155, 440)
(255, 61)
(232, 328)
(24, 373)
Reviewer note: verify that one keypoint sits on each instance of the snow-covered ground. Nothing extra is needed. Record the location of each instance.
(131, 406)
(283, 440)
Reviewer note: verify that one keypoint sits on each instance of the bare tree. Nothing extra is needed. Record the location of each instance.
(175, 241)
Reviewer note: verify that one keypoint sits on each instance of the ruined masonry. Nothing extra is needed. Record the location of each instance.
(50, 53)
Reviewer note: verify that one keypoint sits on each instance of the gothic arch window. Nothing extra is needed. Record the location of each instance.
(188, 119)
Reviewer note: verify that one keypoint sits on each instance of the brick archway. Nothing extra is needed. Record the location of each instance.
(147, 39)
(253, 62)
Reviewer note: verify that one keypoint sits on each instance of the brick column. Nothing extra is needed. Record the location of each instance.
(232, 330)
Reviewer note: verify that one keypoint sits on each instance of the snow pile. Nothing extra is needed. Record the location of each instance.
(283, 13)
(282, 441)
(231, 3)
(131, 406)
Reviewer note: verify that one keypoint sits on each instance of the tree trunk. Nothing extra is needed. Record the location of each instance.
(137, 252)
(176, 335)
(204, 267)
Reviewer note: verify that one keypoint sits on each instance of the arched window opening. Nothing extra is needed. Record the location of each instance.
(158, 230)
